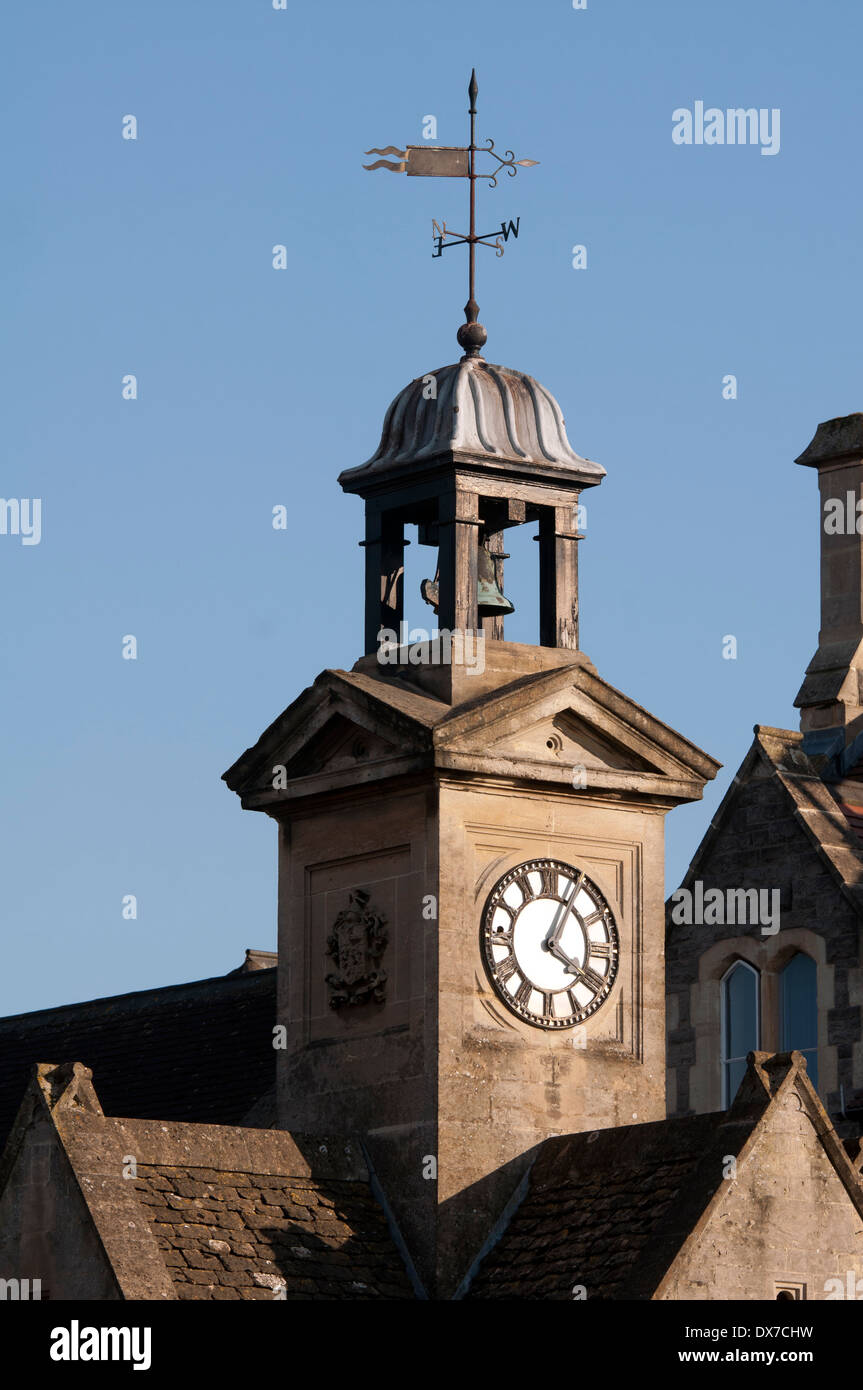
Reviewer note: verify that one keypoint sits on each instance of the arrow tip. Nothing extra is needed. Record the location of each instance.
(473, 90)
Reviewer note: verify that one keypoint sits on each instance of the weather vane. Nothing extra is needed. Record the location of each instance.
(459, 162)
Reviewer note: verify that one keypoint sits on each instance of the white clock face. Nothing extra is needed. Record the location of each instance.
(550, 943)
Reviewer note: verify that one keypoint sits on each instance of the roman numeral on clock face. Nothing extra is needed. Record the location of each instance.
(602, 949)
(591, 979)
(549, 882)
(523, 993)
(505, 968)
(522, 883)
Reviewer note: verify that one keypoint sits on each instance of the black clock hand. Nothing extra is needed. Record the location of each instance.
(555, 931)
(583, 973)
(554, 950)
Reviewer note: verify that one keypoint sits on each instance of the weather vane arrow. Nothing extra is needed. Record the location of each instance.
(459, 162)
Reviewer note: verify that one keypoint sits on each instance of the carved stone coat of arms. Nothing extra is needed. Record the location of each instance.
(356, 945)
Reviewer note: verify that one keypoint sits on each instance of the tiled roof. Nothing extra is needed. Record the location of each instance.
(193, 1211)
(609, 1212)
(189, 1212)
(230, 1235)
(200, 1051)
(815, 806)
(595, 1206)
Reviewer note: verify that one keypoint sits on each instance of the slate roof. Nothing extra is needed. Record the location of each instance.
(201, 1051)
(610, 1210)
(215, 1212)
(235, 1236)
(226, 1213)
(816, 799)
(598, 1208)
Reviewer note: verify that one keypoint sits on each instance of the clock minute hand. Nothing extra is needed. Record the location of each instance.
(555, 931)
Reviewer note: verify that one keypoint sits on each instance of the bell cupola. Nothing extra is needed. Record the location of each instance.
(466, 452)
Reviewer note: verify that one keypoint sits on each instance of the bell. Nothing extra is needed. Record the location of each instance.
(490, 601)
(430, 590)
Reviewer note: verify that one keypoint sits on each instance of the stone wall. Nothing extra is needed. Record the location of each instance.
(785, 1218)
(46, 1231)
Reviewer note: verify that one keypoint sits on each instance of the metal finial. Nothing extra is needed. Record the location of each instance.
(472, 336)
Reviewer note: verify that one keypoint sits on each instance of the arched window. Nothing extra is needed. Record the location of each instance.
(741, 1025)
(798, 1010)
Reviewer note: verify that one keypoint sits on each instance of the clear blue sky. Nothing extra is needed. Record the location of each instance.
(256, 387)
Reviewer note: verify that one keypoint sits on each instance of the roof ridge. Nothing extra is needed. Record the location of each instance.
(233, 979)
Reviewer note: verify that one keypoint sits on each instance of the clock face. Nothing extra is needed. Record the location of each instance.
(550, 943)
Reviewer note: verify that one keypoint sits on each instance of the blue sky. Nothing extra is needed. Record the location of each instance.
(256, 387)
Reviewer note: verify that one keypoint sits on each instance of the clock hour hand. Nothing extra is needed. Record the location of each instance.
(572, 966)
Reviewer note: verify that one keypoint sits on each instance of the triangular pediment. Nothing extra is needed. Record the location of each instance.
(340, 744)
(567, 736)
(562, 722)
(342, 729)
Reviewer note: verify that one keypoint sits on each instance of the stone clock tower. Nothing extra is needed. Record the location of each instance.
(471, 846)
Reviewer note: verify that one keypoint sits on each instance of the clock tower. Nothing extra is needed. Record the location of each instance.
(471, 853)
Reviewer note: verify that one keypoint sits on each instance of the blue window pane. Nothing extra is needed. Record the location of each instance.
(741, 1011)
(734, 1074)
(739, 1025)
(799, 1010)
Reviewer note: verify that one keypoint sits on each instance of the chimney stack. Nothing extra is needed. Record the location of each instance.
(830, 699)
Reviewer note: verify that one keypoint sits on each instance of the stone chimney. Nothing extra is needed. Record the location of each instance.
(830, 699)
